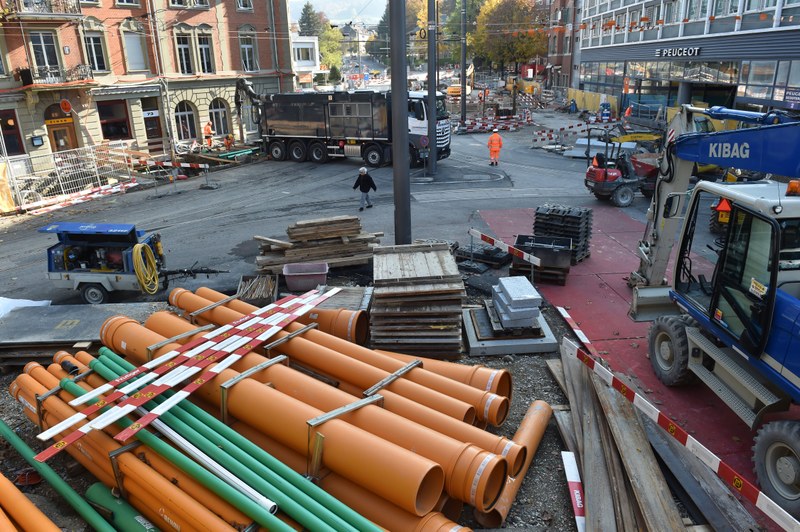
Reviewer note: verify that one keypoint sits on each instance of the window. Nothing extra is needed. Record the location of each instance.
(204, 54)
(567, 43)
(184, 121)
(201, 3)
(247, 45)
(11, 134)
(246, 5)
(94, 51)
(114, 119)
(177, 3)
(135, 46)
(302, 54)
(184, 50)
(218, 114)
(127, 2)
(760, 5)
(45, 52)
(724, 8)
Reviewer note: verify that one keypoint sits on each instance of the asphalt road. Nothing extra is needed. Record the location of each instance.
(215, 228)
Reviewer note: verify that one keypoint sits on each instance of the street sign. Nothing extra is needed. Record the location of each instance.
(66, 107)
(423, 140)
(366, 76)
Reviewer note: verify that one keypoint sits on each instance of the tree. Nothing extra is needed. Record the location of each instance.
(334, 76)
(451, 33)
(330, 45)
(378, 47)
(510, 31)
(311, 23)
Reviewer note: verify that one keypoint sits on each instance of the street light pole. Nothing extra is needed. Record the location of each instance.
(432, 70)
(463, 64)
(400, 155)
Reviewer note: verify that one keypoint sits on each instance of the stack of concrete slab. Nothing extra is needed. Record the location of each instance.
(516, 302)
(510, 323)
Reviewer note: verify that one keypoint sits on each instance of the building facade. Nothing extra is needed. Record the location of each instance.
(305, 58)
(76, 73)
(737, 53)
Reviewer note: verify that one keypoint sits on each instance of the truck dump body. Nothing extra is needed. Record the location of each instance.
(362, 116)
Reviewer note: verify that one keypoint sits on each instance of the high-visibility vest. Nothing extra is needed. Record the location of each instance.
(208, 130)
(495, 142)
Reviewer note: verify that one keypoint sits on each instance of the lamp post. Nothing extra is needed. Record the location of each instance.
(433, 69)
(400, 154)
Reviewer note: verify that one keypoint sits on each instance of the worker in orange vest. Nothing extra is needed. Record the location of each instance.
(208, 131)
(494, 144)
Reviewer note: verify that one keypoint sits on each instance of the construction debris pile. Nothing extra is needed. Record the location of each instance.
(417, 300)
(615, 448)
(566, 221)
(339, 241)
(372, 439)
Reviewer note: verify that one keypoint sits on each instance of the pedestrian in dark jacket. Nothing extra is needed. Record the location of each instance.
(364, 183)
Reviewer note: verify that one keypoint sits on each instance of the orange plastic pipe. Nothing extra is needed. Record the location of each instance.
(177, 505)
(376, 509)
(5, 522)
(529, 434)
(491, 380)
(203, 495)
(326, 360)
(22, 510)
(488, 406)
(168, 324)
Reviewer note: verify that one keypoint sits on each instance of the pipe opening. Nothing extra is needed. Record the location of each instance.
(491, 481)
(515, 458)
(430, 490)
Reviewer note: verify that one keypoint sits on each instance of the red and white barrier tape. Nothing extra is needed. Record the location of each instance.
(511, 250)
(52, 204)
(725, 472)
(575, 489)
(172, 164)
(604, 125)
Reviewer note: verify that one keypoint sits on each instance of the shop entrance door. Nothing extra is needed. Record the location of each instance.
(62, 137)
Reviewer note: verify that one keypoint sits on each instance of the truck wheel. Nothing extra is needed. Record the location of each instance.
(277, 150)
(94, 293)
(373, 156)
(297, 151)
(318, 153)
(669, 350)
(622, 196)
(776, 456)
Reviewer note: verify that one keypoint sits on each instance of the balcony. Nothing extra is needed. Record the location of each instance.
(47, 75)
(44, 9)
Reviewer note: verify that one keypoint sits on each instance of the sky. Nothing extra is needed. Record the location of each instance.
(367, 11)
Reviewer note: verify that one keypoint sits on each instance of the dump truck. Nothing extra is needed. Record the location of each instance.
(321, 126)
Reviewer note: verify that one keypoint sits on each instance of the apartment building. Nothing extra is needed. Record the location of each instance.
(562, 52)
(75, 73)
(738, 53)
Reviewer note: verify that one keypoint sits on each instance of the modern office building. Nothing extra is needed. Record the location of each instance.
(737, 53)
(75, 73)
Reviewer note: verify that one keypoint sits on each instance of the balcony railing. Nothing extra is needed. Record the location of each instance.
(47, 7)
(52, 74)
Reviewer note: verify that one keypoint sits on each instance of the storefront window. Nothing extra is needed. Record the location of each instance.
(761, 73)
(794, 75)
(114, 119)
(11, 135)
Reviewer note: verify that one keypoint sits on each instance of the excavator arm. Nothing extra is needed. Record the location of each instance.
(768, 147)
(244, 89)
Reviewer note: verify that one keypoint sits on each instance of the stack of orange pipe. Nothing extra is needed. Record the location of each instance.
(486, 386)
(154, 486)
(472, 474)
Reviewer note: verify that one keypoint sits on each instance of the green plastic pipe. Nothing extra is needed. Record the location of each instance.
(223, 452)
(124, 517)
(193, 469)
(250, 454)
(80, 505)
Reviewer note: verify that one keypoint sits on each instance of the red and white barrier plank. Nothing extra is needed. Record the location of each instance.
(233, 339)
(511, 250)
(173, 164)
(575, 489)
(725, 472)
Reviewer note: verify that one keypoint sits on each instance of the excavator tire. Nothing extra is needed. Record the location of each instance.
(669, 350)
(776, 457)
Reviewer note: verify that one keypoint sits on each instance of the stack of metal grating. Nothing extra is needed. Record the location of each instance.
(568, 222)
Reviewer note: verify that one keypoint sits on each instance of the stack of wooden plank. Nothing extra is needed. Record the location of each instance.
(416, 306)
(624, 485)
(339, 241)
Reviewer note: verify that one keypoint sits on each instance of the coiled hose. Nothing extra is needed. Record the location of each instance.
(145, 267)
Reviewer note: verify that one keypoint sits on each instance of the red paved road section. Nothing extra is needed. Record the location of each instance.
(597, 297)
